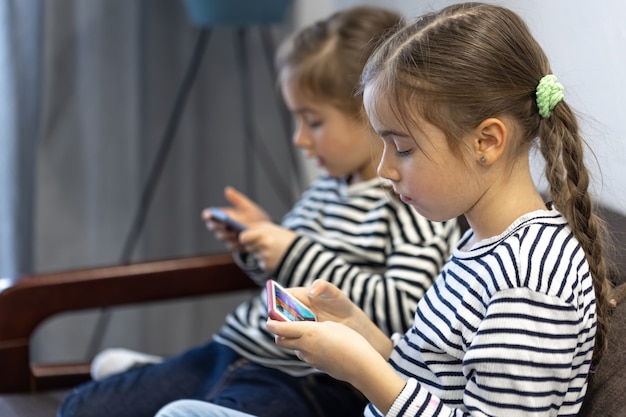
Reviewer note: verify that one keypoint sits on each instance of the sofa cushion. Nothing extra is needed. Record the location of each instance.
(606, 393)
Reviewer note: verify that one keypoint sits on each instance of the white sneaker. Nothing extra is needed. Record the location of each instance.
(116, 360)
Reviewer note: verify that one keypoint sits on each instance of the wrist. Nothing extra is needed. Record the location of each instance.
(291, 256)
(379, 340)
(380, 384)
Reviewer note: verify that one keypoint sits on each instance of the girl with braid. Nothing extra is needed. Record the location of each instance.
(518, 316)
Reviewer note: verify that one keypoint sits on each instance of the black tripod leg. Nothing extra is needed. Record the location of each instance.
(243, 66)
(153, 178)
(269, 48)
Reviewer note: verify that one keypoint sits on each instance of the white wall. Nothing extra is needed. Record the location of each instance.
(586, 44)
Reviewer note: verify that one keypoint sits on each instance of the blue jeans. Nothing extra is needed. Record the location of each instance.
(213, 373)
(195, 408)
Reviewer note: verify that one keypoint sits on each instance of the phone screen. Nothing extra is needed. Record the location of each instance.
(283, 306)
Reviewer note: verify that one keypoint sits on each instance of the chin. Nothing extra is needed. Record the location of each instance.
(334, 174)
(432, 215)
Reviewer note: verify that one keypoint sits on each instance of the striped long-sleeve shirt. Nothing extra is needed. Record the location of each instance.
(378, 250)
(507, 329)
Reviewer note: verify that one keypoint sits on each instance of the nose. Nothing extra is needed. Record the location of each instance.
(300, 137)
(386, 168)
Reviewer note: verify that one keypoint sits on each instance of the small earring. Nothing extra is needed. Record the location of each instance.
(483, 159)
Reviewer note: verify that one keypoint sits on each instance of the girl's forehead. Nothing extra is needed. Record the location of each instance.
(379, 108)
(371, 100)
(295, 91)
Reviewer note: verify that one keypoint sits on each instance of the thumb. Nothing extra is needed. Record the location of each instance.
(321, 289)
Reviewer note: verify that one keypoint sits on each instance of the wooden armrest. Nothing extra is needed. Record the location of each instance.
(27, 301)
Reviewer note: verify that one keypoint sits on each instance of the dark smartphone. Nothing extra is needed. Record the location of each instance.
(285, 307)
(220, 216)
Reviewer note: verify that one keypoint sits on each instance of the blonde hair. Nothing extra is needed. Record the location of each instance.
(326, 58)
(472, 61)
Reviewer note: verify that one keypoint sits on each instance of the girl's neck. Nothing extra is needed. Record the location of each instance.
(502, 204)
(365, 173)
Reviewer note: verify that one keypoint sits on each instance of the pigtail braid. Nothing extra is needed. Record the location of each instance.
(562, 147)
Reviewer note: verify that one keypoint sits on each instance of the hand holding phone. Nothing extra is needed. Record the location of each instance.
(283, 306)
(220, 216)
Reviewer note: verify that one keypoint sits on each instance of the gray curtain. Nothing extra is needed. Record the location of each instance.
(110, 71)
(20, 40)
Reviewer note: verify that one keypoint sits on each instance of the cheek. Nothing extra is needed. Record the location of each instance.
(324, 144)
(429, 178)
(333, 144)
(444, 177)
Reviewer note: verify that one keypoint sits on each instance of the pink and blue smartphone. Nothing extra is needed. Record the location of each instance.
(285, 307)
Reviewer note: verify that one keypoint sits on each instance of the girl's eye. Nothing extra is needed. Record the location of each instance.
(403, 153)
(314, 124)
(402, 147)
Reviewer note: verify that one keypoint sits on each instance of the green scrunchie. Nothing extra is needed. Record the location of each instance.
(549, 93)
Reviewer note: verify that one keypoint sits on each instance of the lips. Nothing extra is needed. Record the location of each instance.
(402, 197)
(405, 199)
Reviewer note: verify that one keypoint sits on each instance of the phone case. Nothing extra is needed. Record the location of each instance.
(222, 217)
(283, 306)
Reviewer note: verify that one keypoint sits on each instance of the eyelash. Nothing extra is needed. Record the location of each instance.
(403, 154)
(399, 153)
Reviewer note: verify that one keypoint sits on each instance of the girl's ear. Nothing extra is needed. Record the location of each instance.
(490, 140)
